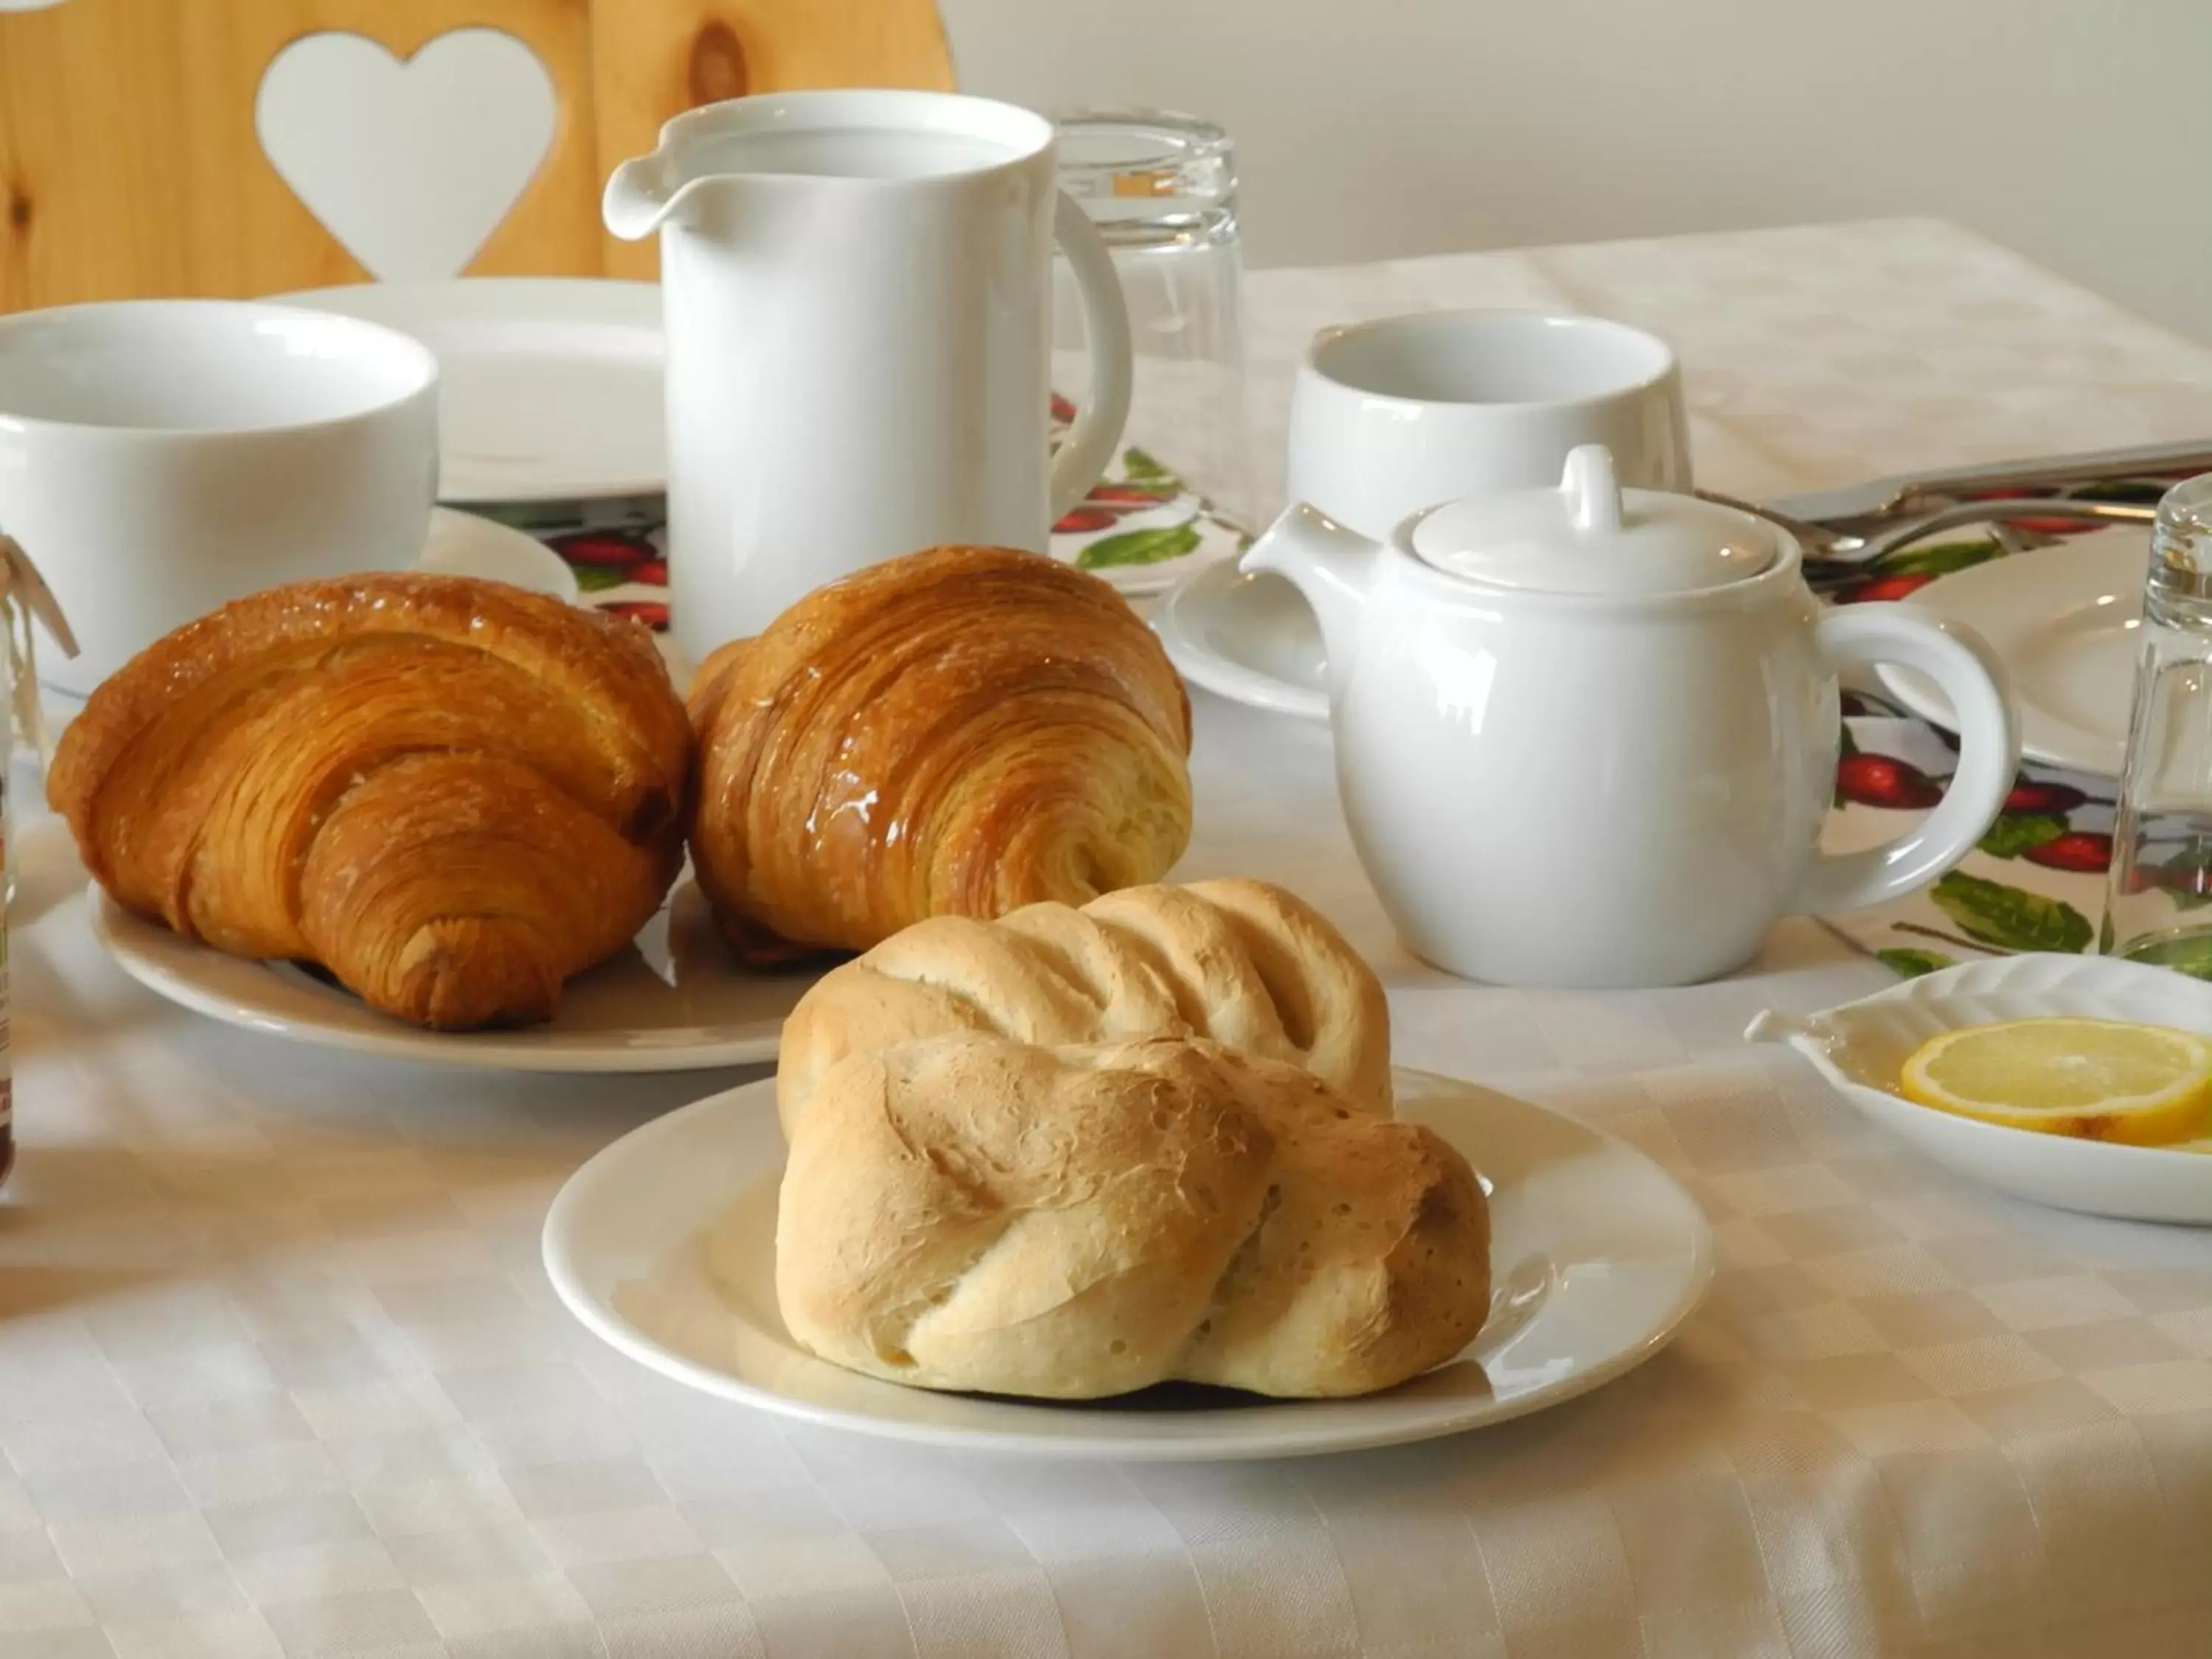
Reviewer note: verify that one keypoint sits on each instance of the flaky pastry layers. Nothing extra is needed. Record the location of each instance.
(960, 731)
(451, 793)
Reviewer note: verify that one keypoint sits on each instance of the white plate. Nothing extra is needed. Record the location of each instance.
(1252, 638)
(1861, 1047)
(550, 386)
(2064, 618)
(1598, 1255)
(674, 1001)
(462, 544)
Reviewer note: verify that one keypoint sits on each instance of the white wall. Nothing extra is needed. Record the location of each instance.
(2079, 131)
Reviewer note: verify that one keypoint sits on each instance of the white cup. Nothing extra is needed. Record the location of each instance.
(1394, 417)
(160, 458)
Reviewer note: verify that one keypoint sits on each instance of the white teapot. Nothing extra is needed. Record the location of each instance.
(1588, 736)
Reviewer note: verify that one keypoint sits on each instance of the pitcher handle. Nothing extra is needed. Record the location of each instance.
(1974, 680)
(1091, 441)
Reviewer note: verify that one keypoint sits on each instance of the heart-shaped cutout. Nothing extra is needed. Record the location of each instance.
(410, 165)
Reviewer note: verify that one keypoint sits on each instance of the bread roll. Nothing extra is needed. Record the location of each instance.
(966, 1213)
(960, 731)
(453, 794)
(1243, 963)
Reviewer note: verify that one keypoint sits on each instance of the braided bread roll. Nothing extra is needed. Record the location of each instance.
(452, 794)
(963, 1212)
(957, 733)
(1242, 963)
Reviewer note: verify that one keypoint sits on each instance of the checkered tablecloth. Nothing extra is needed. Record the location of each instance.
(280, 1373)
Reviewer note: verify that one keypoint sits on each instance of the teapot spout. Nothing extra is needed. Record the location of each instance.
(1331, 566)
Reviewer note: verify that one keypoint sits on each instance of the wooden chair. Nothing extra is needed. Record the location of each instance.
(131, 163)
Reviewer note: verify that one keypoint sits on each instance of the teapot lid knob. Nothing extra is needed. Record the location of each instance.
(1587, 535)
(1593, 493)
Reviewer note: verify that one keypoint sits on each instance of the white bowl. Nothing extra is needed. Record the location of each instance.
(1861, 1047)
(159, 458)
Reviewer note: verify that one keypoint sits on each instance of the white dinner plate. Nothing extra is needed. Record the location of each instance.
(550, 386)
(1598, 1256)
(675, 1000)
(2064, 618)
(1251, 639)
(1861, 1047)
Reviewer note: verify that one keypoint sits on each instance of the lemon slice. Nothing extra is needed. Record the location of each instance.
(2098, 1079)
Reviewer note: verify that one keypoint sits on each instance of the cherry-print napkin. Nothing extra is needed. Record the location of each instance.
(1141, 528)
(2037, 880)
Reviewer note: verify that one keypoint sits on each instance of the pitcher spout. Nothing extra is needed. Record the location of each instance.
(642, 194)
(1331, 566)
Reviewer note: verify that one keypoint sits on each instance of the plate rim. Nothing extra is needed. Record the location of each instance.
(1224, 676)
(1315, 1440)
(1895, 682)
(473, 1051)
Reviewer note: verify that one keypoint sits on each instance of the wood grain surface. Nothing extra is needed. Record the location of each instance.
(129, 164)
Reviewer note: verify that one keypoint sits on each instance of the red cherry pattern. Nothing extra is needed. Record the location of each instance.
(1883, 780)
(1887, 587)
(2078, 850)
(1082, 520)
(605, 548)
(2055, 798)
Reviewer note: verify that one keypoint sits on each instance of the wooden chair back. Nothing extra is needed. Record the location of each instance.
(132, 160)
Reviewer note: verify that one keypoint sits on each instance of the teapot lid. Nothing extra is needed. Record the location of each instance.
(1590, 536)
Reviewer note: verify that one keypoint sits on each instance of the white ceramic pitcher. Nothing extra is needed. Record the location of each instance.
(858, 291)
(1587, 736)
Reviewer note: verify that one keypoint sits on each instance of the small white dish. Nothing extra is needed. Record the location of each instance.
(1598, 1256)
(2064, 618)
(1250, 638)
(675, 1001)
(552, 385)
(1861, 1047)
(462, 544)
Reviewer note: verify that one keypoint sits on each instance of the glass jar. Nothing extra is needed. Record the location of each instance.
(2158, 900)
(1161, 189)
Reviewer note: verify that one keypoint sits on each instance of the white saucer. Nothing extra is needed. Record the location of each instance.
(462, 544)
(1252, 638)
(675, 1001)
(550, 386)
(2064, 618)
(1598, 1257)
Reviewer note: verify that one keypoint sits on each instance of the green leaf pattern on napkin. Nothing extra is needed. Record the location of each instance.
(2010, 918)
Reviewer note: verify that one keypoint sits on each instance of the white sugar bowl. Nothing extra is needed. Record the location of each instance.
(1588, 736)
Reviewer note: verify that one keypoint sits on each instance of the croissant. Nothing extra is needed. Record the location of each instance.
(1240, 963)
(452, 794)
(965, 1212)
(957, 733)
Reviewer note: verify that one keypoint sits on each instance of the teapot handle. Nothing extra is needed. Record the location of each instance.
(1973, 679)
(1090, 442)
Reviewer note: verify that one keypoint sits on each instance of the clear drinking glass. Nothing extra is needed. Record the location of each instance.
(1162, 189)
(2158, 905)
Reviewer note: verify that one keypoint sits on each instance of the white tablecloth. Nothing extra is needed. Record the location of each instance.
(280, 1372)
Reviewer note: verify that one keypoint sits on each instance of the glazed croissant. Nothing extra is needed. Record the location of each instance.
(957, 733)
(452, 794)
(965, 1212)
(1242, 963)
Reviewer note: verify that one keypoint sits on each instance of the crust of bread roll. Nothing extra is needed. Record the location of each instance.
(1240, 963)
(965, 1212)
